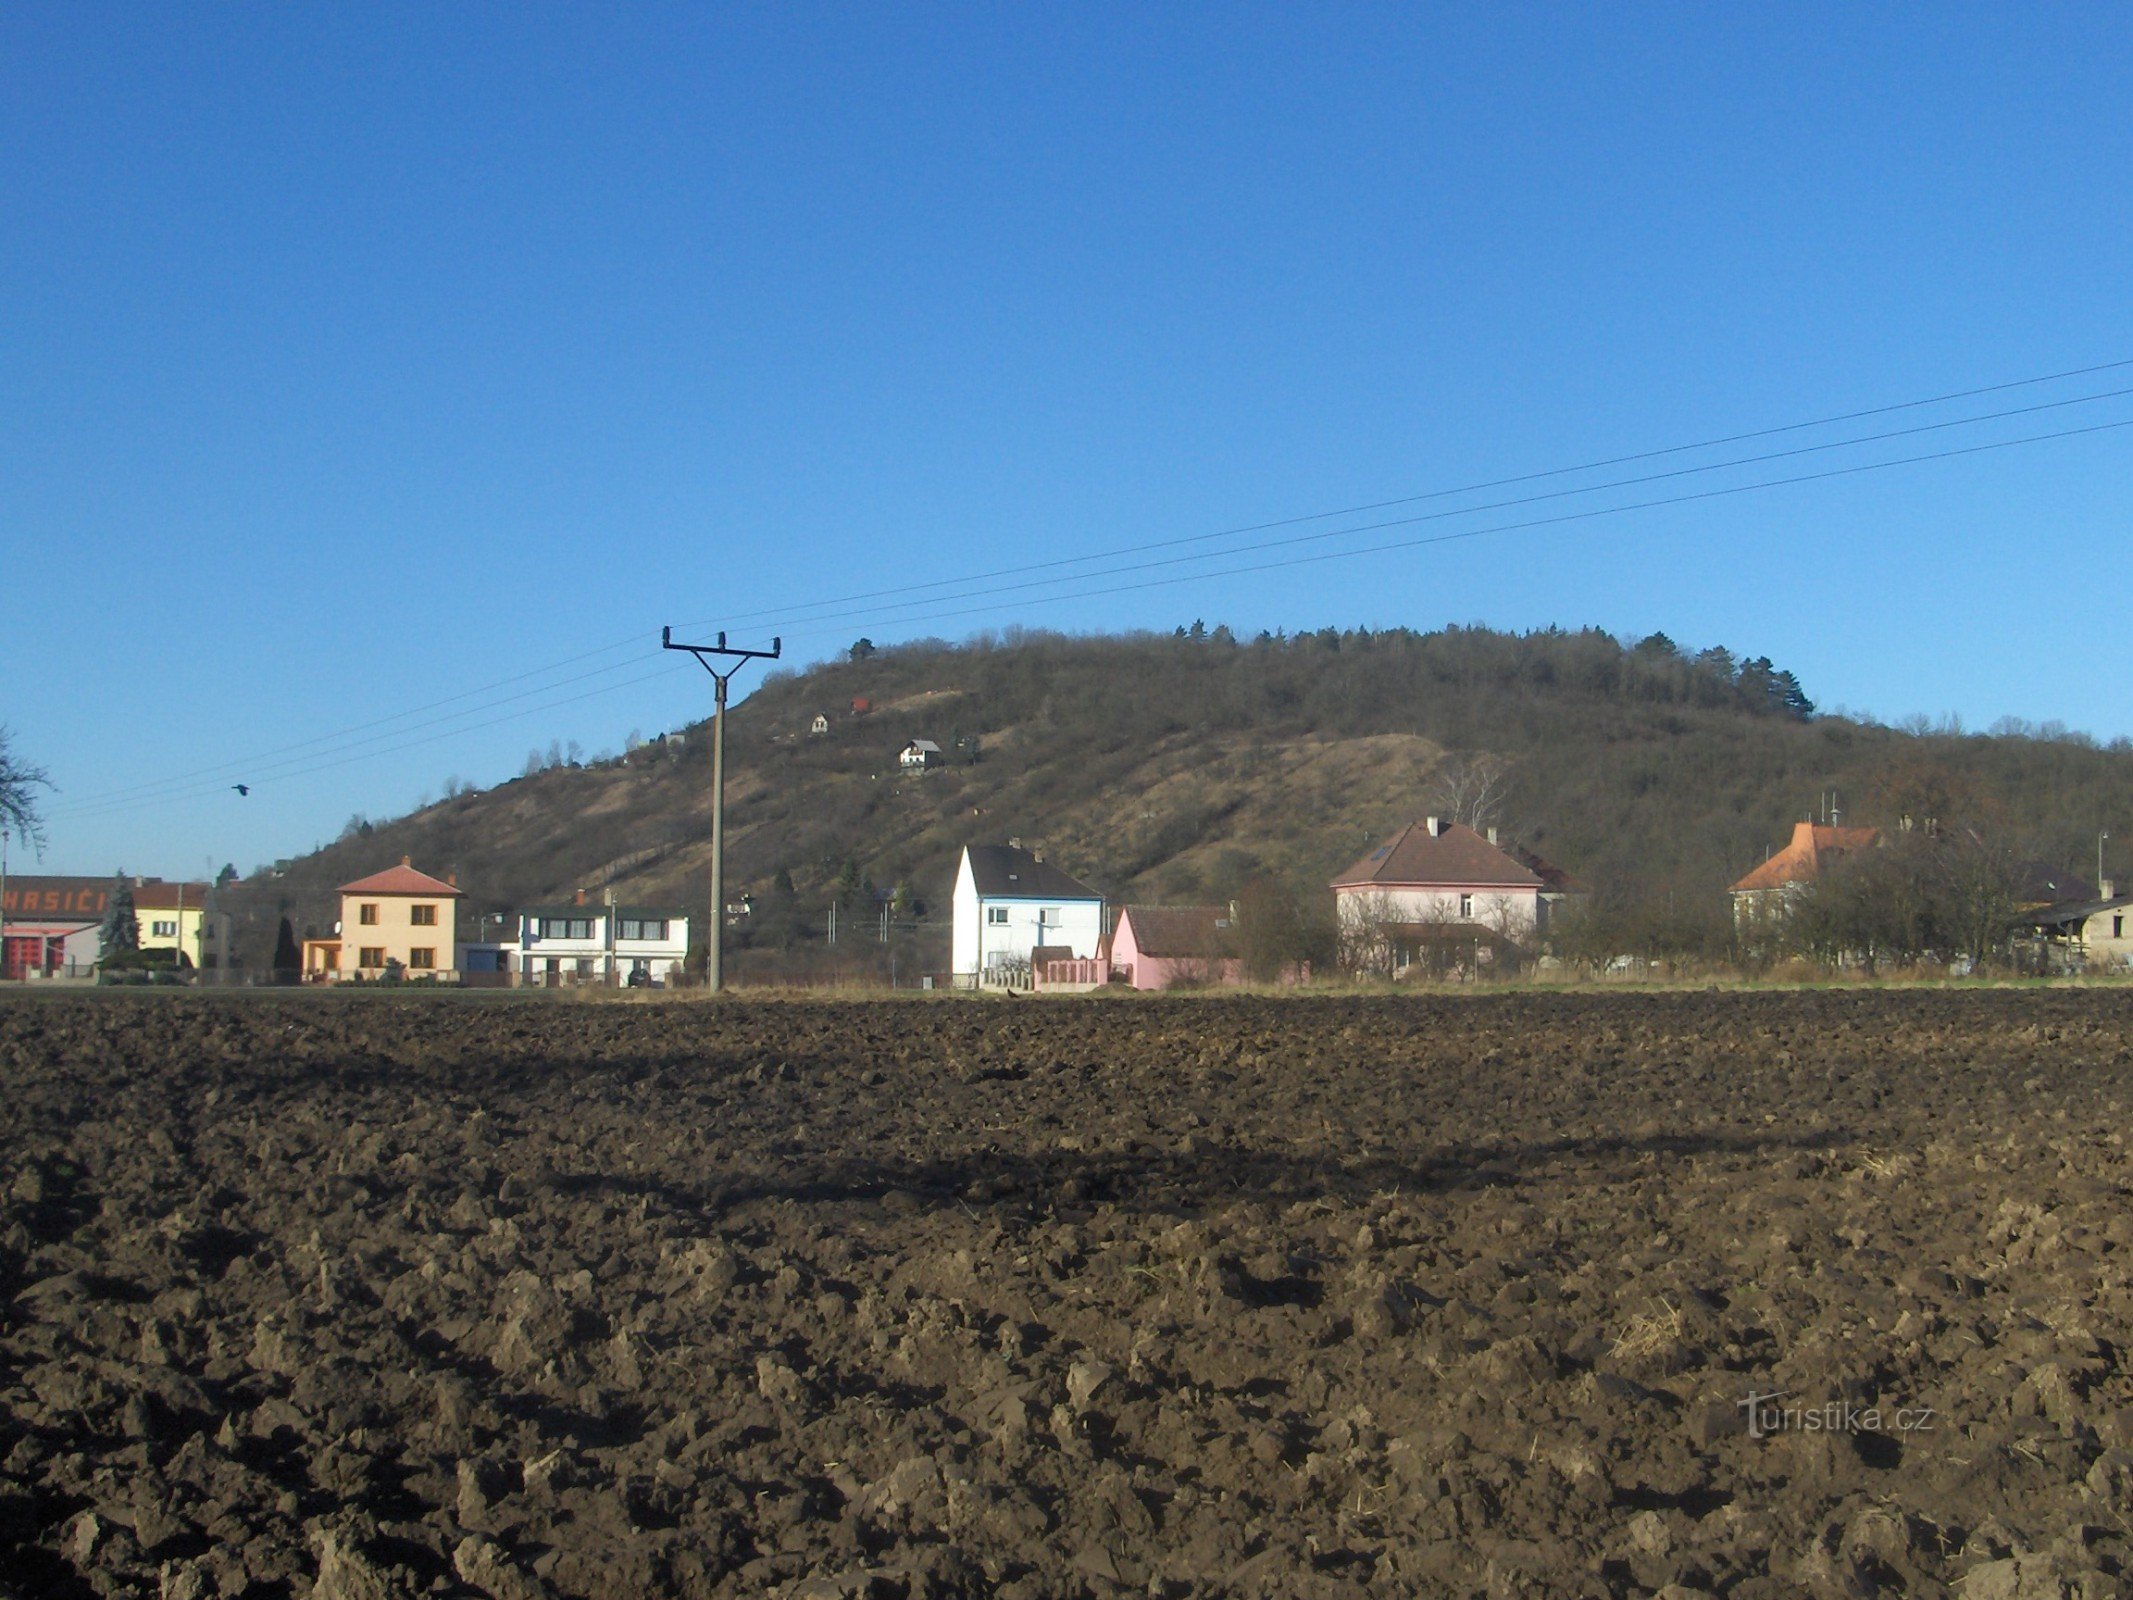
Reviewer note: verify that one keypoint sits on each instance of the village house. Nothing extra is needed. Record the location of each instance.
(1008, 903)
(1766, 896)
(400, 921)
(1438, 894)
(919, 755)
(561, 946)
(2090, 930)
(1163, 947)
(184, 917)
(819, 726)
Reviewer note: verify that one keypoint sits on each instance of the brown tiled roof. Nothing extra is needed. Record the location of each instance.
(1814, 845)
(1552, 877)
(1176, 930)
(403, 879)
(164, 896)
(1454, 857)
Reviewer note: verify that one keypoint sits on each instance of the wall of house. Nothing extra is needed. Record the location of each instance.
(2109, 937)
(1145, 971)
(395, 936)
(597, 958)
(194, 930)
(977, 941)
(1514, 913)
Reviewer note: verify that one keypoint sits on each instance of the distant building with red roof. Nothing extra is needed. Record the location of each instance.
(1436, 879)
(1767, 893)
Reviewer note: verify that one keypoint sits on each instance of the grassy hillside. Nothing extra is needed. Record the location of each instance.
(1174, 768)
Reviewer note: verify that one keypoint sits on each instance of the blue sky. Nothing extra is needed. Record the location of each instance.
(356, 359)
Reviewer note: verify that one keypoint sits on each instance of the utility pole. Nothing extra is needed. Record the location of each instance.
(714, 972)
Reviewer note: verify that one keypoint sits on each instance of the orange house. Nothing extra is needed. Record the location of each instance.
(1765, 895)
(396, 918)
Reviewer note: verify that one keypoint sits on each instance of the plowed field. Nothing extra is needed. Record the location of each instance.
(368, 1297)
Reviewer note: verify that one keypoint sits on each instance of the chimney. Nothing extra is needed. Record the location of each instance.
(1015, 843)
(407, 861)
(578, 899)
(2105, 889)
(1036, 852)
(1431, 823)
(452, 878)
(1492, 836)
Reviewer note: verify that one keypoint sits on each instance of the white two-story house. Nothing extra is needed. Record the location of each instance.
(559, 946)
(1010, 902)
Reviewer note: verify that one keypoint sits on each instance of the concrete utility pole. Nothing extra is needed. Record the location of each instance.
(714, 967)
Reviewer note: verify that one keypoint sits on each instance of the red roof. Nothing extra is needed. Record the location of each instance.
(1454, 856)
(1814, 845)
(403, 879)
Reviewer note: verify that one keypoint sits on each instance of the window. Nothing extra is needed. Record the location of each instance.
(422, 916)
(643, 928)
(566, 928)
(372, 955)
(162, 930)
(996, 916)
(367, 916)
(1466, 905)
(2118, 927)
(1048, 917)
(422, 959)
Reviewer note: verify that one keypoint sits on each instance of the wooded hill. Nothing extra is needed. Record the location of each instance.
(1176, 768)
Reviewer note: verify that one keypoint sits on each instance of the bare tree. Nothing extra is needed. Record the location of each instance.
(19, 783)
(1469, 788)
(1365, 932)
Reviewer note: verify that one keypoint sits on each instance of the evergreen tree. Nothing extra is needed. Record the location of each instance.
(120, 934)
(288, 956)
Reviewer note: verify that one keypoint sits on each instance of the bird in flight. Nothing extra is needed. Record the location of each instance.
(242, 788)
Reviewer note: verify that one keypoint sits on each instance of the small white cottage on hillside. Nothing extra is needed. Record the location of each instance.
(1008, 902)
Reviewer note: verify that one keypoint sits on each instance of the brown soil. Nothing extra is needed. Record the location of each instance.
(374, 1298)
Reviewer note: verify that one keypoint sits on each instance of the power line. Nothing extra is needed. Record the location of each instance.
(1514, 527)
(133, 802)
(297, 764)
(1464, 511)
(768, 616)
(260, 760)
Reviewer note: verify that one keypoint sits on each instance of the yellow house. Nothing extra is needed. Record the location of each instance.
(398, 916)
(181, 916)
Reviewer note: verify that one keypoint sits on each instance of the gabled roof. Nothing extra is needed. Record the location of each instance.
(403, 879)
(1455, 856)
(1553, 878)
(2072, 913)
(1000, 871)
(1175, 930)
(160, 896)
(1814, 845)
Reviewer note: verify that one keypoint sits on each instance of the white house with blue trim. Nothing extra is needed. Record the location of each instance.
(1010, 901)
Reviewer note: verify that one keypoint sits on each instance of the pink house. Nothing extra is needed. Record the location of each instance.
(1157, 947)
